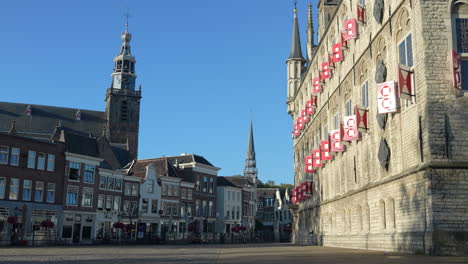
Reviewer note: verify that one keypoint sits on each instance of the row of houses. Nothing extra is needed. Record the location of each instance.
(74, 175)
(77, 183)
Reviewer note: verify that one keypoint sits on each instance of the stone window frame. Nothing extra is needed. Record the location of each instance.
(382, 215)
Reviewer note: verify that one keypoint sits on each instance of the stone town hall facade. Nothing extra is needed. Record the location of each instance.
(380, 126)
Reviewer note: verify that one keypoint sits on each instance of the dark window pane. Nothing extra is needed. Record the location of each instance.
(401, 49)
(67, 232)
(461, 25)
(86, 232)
(409, 51)
(464, 72)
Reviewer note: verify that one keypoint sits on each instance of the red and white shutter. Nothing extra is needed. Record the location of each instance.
(404, 81)
(309, 187)
(316, 159)
(350, 31)
(335, 141)
(316, 86)
(361, 13)
(309, 168)
(305, 118)
(350, 128)
(361, 118)
(296, 130)
(326, 72)
(337, 55)
(304, 190)
(456, 67)
(386, 97)
(309, 108)
(325, 150)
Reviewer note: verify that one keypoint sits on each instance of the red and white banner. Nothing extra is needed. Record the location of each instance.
(309, 168)
(386, 97)
(316, 86)
(350, 29)
(326, 72)
(350, 128)
(325, 150)
(337, 55)
(309, 187)
(335, 141)
(316, 158)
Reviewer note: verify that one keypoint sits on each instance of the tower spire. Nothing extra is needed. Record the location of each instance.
(250, 169)
(296, 52)
(123, 76)
(310, 33)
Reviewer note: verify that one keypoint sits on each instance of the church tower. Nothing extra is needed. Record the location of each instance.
(123, 101)
(295, 64)
(250, 170)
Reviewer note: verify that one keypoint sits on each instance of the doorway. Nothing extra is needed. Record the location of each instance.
(76, 233)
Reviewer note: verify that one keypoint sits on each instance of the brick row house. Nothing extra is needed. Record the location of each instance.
(30, 186)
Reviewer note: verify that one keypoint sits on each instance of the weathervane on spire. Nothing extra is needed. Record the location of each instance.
(127, 15)
(295, 6)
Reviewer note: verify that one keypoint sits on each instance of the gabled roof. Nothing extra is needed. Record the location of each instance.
(189, 158)
(113, 159)
(43, 119)
(225, 181)
(163, 168)
(238, 181)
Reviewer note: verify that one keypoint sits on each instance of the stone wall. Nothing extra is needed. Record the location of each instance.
(418, 204)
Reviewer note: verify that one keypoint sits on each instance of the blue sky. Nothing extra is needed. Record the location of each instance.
(203, 65)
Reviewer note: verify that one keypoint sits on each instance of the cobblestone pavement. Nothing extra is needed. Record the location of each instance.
(193, 254)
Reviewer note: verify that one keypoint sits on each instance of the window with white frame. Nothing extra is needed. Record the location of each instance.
(189, 194)
(89, 173)
(50, 162)
(204, 209)
(154, 206)
(128, 189)
(102, 182)
(15, 155)
(118, 185)
(135, 187)
(3, 155)
(405, 56)
(87, 199)
(117, 200)
(72, 195)
(74, 171)
(109, 203)
(41, 159)
(336, 120)
(39, 191)
(110, 183)
(144, 205)
(205, 183)
(27, 186)
(31, 159)
(150, 186)
(405, 51)
(365, 94)
(183, 193)
(210, 209)
(2, 187)
(100, 203)
(211, 184)
(349, 107)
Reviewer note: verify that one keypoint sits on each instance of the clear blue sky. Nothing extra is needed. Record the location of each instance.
(202, 66)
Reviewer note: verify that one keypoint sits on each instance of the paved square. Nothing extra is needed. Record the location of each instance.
(250, 253)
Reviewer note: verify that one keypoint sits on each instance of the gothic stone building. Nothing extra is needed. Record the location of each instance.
(379, 106)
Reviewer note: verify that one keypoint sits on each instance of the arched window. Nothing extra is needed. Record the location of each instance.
(367, 213)
(350, 219)
(391, 213)
(460, 37)
(383, 219)
(360, 218)
(344, 221)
